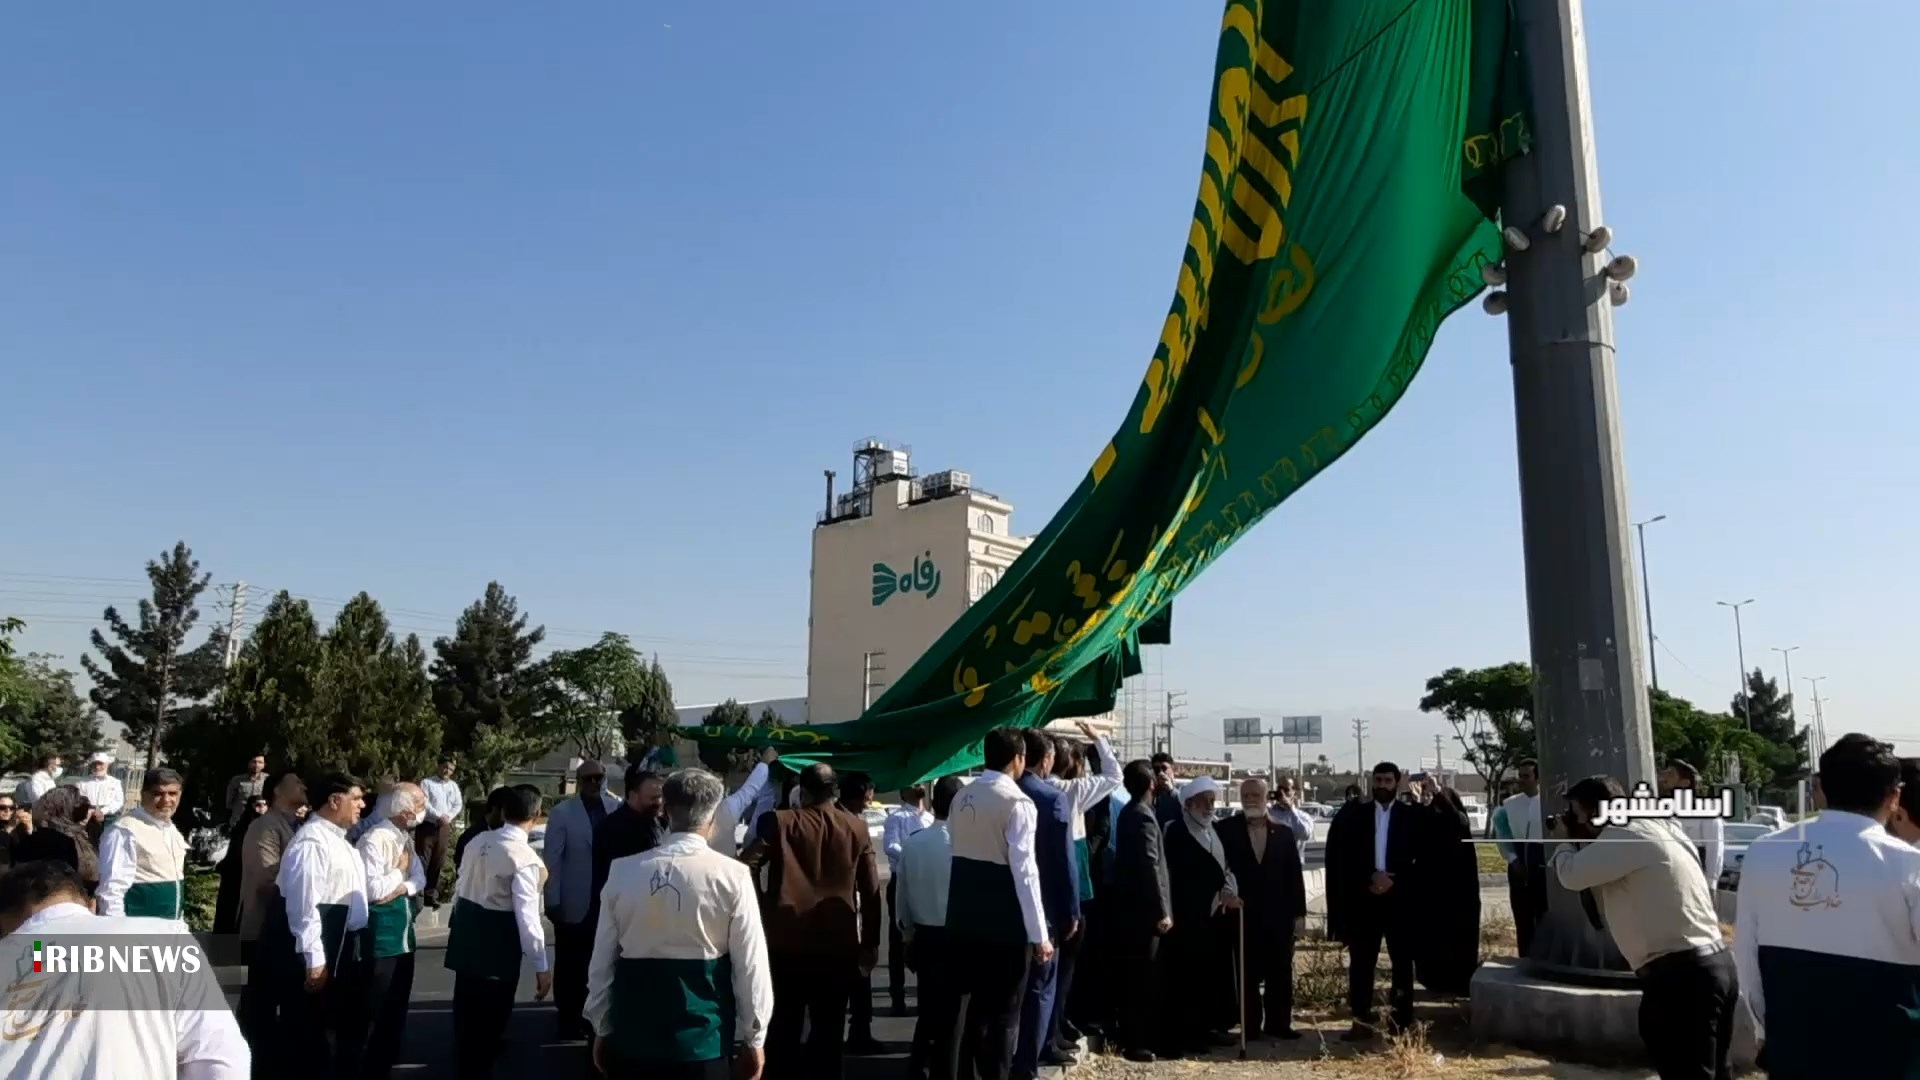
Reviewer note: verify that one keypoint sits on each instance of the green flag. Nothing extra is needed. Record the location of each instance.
(1345, 209)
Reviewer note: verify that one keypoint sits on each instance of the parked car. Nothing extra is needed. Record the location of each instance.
(1773, 817)
(1476, 813)
(1739, 834)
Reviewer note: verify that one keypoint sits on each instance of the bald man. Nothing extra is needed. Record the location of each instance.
(568, 853)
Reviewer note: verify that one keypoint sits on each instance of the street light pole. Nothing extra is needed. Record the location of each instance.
(1786, 658)
(1589, 687)
(1740, 643)
(1646, 597)
(1819, 714)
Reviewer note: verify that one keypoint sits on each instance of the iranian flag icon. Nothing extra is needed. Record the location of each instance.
(38, 955)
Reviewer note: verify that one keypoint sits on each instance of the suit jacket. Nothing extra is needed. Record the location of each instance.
(625, 832)
(568, 853)
(823, 887)
(1272, 886)
(1053, 851)
(1141, 894)
(1350, 863)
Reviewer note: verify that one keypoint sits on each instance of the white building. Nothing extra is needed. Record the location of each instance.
(896, 561)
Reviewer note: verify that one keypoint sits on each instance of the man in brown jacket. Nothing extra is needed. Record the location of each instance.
(266, 944)
(822, 922)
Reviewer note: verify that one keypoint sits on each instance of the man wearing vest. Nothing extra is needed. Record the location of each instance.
(993, 903)
(496, 922)
(679, 974)
(149, 1023)
(822, 924)
(1518, 820)
(396, 878)
(324, 885)
(1824, 933)
(143, 859)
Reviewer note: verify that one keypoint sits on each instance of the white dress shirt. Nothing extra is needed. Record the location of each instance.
(1085, 792)
(899, 825)
(920, 883)
(1021, 826)
(1521, 812)
(1382, 814)
(381, 850)
(105, 794)
(1299, 821)
(526, 905)
(119, 862)
(1709, 837)
(444, 802)
(37, 785)
(189, 1039)
(734, 809)
(320, 867)
(683, 901)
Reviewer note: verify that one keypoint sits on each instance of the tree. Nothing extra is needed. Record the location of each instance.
(1770, 714)
(268, 696)
(1491, 710)
(768, 718)
(729, 713)
(593, 690)
(1702, 739)
(489, 692)
(48, 716)
(13, 687)
(151, 678)
(372, 700)
(642, 721)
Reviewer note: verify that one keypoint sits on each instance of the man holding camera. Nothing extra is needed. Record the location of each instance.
(1655, 902)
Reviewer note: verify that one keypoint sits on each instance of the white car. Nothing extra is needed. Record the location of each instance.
(1738, 834)
(1476, 814)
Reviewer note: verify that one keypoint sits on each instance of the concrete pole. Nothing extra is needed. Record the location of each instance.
(1589, 690)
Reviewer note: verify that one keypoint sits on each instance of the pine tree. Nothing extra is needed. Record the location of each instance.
(151, 678)
(268, 694)
(373, 703)
(488, 690)
(643, 721)
(1770, 715)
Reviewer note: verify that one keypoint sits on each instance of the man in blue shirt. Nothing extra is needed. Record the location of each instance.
(1059, 900)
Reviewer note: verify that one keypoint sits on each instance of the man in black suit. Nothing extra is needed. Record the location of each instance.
(1265, 861)
(1140, 910)
(1372, 849)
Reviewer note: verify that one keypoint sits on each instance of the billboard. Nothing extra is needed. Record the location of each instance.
(1300, 729)
(1242, 731)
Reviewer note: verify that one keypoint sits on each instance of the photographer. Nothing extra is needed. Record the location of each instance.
(1654, 899)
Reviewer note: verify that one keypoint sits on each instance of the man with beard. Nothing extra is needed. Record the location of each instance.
(638, 824)
(396, 877)
(1518, 820)
(323, 883)
(1265, 860)
(1199, 957)
(1140, 910)
(1372, 851)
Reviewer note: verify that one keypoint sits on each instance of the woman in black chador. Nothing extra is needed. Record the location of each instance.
(1449, 896)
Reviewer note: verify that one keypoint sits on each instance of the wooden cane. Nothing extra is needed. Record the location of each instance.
(1240, 970)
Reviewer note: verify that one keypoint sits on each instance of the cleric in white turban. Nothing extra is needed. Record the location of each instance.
(1199, 949)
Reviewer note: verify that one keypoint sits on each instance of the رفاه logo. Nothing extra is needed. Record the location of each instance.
(923, 579)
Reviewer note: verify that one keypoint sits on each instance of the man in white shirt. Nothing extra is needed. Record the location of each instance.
(902, 822)
(1285, 810)
(40, 782)
(395, 881)
(1518, 820)
(496, 924)
(433, 837)
(107, 795)
(1827, 935)
(919, 881)
(323, 882)
(1659, 911)
(1709, 835)
(143, 858)
(679, 950)
(739, 807)
(993, 902)
(104, 1028)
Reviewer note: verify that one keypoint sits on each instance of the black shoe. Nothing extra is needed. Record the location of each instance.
(1142, 1057)
(1359, 1032)
(865, 1046)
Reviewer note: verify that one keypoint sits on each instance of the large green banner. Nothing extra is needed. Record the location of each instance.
(1344, 211)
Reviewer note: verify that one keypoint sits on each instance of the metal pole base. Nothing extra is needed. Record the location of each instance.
(1567, 949)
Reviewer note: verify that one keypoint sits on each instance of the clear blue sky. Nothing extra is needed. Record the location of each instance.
(585, 298)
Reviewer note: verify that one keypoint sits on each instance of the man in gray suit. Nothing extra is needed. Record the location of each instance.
(569, 857)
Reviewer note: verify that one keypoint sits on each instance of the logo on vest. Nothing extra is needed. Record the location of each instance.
(1816, 884)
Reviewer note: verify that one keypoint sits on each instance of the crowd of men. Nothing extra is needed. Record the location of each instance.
(1055, 894)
